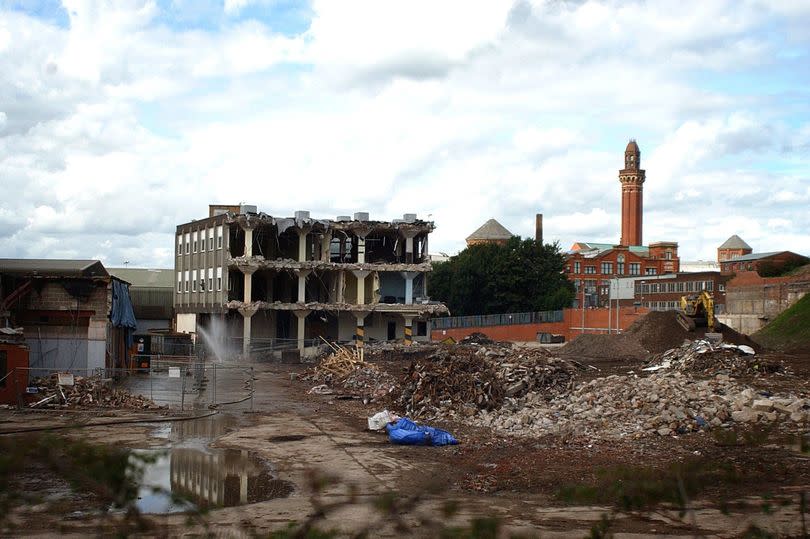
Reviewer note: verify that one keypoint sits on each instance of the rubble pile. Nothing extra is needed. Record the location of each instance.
(532, 371)
(477, 338)
(658, 331)
(369, 382)
(620, 346)
(665, 403)
(702, 357)
(86, 392)
(457, 378)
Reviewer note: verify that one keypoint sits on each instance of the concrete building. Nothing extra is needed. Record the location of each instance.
(75, 316)
(300, 278)
(490, 232)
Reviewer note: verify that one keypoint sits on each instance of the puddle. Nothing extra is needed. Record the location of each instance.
(184, 479)
(189, 475)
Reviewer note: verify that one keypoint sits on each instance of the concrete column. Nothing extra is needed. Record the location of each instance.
(360, 330)
(409, 235)
(361, 250)
(409, 277)
(302, 244)
(408, 329)
(248, 242)
(302, 284)
(247, 313)
(326, 246)
(300, 326)
(361, 285)
(243, 483)
(246, 297)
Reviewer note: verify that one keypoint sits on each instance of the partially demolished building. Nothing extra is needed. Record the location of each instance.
(300, 278)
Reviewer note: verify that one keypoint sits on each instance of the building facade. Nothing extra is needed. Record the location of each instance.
(301, 278)
(732, 248)
(762, 262)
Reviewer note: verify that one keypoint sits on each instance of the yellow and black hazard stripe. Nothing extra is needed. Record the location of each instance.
(359, 336)
(408, 335)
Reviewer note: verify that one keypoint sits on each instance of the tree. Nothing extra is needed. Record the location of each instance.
(520, 276)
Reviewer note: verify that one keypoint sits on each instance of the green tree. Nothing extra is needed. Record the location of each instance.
(517, 277)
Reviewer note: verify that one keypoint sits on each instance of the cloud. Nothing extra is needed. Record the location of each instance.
(133, 116)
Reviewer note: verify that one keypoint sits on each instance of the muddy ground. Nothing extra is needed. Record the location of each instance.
(549, 486)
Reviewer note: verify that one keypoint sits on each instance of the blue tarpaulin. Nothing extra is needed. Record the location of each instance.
(121, 313)
(406, 432)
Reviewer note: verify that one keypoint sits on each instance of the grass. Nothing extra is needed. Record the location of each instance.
(790, 330)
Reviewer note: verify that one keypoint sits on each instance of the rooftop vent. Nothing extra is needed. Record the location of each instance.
(301, 215)
(409, 217)
(361, 216)
(247, 208)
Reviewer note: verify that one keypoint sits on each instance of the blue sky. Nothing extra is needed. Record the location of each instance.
(464, 111)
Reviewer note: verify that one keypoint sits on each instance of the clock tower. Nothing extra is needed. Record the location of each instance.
(632, 180)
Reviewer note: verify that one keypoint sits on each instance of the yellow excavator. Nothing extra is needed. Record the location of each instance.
(697, 310)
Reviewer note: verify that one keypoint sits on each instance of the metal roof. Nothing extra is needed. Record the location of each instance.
(602, 247)
(52, 267)
(145, 278)
(735, 242)
(755, 256)
(491, 230)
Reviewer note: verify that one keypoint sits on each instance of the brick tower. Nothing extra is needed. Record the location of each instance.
(632, 180)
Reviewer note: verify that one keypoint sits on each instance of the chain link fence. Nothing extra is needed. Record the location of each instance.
(177, 383)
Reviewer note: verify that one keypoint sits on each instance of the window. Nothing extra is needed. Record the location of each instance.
(721, 287)
(645, 289)
(670, 287)
(219, 279)
(180, 244)
(194, 242)
(620, 268)
(187, 237)
(577, 267)
(219, 237)
(186, 280)
(669, 255)
(710, 286)
(194, 281)
(635, 268)
(690, 286)
(211, 278)
(179, 281)
(607, 268)
(202, 284)
(3, 367)
(681, 286)
(210, 239)
(590, 270)
(421, 329)
(649, 271)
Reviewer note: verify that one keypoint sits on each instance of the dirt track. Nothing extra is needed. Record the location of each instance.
(512, 478)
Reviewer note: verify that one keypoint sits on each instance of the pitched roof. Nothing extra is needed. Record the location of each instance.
(589, 247)
(735, 242)
(145, 278)
(755, 256)
(491, 230)
(46, 267)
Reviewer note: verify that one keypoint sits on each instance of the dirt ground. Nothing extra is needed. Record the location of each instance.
(522, 481)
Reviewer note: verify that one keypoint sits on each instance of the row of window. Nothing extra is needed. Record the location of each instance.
(681, 286)
(192, 242)
(607, 269)
(719, 308)
(188, 281)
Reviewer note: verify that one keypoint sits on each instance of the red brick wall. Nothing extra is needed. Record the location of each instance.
(596, 321)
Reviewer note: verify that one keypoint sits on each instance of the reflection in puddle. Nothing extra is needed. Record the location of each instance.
(191, 475)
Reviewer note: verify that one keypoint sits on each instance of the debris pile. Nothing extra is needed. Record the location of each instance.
(532, 371)
(704, 358)
(453, 378)
(476, 338)
(370, 382)
(614, 347)
(658, 331)
(86, 392)
(665, 403)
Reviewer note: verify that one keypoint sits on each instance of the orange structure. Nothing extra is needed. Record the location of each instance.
(632, 179)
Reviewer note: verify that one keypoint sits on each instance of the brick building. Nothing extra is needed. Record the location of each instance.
(732, 248)
(772, 261)
(591, 266)
(490, 232)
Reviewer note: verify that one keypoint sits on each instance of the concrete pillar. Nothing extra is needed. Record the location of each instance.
(409, 277)
(302, 284)
(302, 244)
(361, 285)
(243, 482)
(248, 242)
(247, 313)
(360, 330)
(409, 235)
(408, 329)
(300, 326)
(361, 250)
(326, 247)
(246, 297)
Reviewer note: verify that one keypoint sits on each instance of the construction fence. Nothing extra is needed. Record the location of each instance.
(182, 385)
(505, 319)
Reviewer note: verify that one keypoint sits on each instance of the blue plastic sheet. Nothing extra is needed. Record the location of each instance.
(406, 432)
(121, 312)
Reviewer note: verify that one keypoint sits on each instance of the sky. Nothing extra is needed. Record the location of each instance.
(121, 119)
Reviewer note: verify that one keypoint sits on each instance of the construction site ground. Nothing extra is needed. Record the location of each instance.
(522, 481)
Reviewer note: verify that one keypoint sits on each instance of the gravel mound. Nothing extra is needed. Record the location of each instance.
(605, 347)
(658, 331)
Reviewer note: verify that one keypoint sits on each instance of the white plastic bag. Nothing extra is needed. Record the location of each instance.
(379, 420)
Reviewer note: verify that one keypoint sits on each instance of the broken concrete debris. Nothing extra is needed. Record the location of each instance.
(86, 392)
(703, 357)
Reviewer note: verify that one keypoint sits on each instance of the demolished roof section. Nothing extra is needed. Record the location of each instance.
(433, 308)
(250, 220)
(259, 262)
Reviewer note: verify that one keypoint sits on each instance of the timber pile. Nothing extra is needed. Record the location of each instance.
(339, 364)
(451, 379)
(86, 392)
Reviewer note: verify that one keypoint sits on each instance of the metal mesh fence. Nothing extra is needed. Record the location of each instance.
(180, 385)
(505, 319)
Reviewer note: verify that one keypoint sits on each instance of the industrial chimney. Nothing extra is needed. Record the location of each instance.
(538, 228)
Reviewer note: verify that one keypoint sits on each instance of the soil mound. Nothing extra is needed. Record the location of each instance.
(621, 346)
(658, 331)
